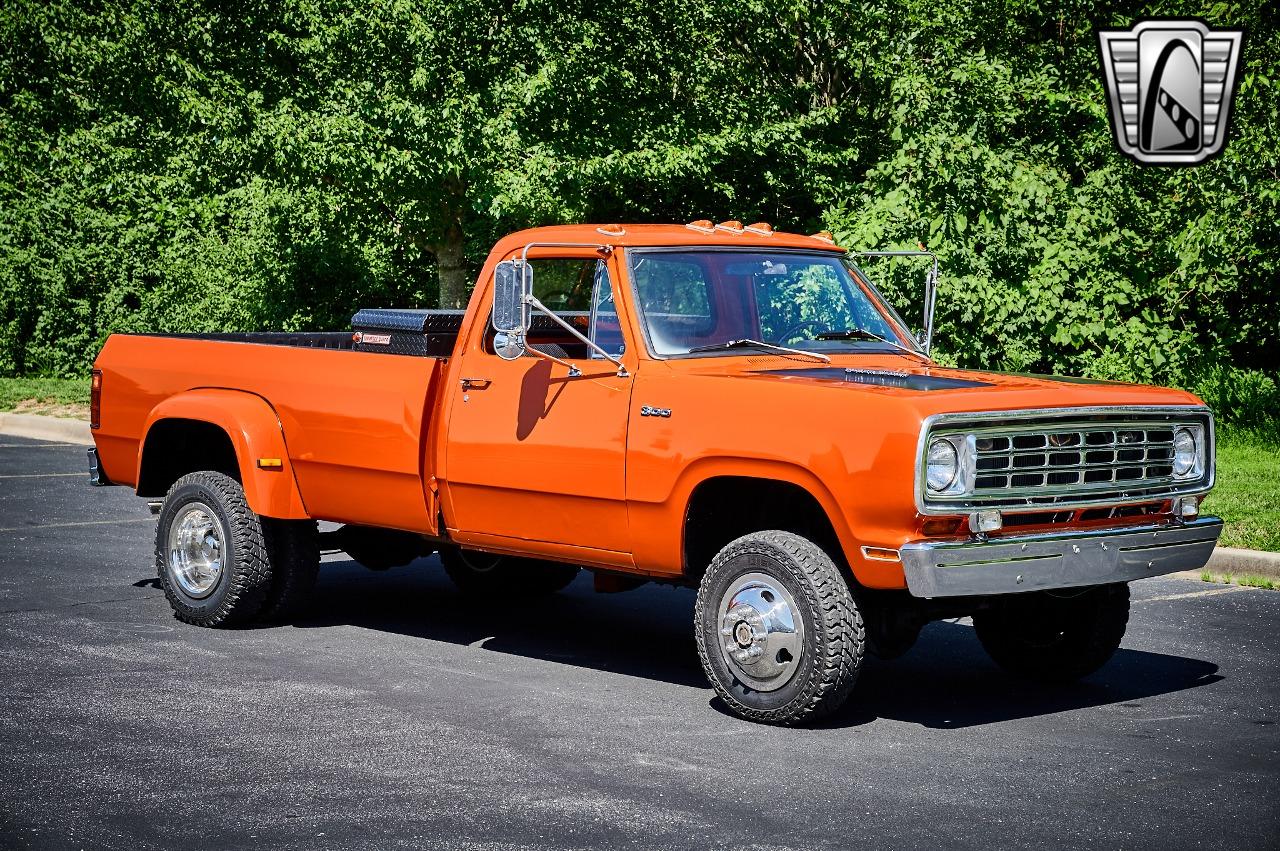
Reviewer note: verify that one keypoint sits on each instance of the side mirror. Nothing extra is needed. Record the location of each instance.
(511, 283)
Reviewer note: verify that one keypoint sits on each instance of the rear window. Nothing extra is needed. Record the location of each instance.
(675, 295)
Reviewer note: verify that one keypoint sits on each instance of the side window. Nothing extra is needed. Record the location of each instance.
(564, 283)
(579, 291)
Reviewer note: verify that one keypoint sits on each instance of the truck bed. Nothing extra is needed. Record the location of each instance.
(354, 422)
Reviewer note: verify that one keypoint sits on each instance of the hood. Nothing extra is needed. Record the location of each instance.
(936, 389)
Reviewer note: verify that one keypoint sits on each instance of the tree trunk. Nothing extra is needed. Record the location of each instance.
(451, 266)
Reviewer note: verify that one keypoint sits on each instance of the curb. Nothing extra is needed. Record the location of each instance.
(46, 428)
(1244, 562)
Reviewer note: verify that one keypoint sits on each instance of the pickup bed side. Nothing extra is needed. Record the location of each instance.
(351, 423)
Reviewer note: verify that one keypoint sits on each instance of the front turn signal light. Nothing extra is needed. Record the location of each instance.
(1187, 508)
(982, 522)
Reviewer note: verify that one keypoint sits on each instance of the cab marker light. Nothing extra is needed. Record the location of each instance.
(732, 226)
(761, 228)
(702, 226)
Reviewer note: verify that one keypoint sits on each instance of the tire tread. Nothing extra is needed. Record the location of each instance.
(831, 681)
(250, 575)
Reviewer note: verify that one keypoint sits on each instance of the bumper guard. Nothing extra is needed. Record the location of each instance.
(96, 475)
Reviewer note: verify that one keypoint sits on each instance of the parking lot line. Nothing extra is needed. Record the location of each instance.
(1208, 593)
(80, 523)
(42, 475)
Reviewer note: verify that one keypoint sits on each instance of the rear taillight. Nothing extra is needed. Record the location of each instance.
(95, 399)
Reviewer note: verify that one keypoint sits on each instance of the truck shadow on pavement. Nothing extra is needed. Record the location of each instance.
(946, 681)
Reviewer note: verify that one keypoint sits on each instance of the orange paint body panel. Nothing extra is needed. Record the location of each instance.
(351, 424)
(528, 459)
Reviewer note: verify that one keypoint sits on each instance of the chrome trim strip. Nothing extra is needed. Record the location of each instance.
(1021, 563)
(964, 504)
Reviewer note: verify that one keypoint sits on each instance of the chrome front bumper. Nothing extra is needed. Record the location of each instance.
(1010, 565)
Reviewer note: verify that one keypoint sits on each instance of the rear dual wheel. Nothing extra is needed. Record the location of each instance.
(220, 564)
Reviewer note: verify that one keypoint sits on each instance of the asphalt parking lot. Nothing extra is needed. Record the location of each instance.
(396, 714)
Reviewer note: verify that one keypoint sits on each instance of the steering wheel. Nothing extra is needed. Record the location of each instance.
(800, 326)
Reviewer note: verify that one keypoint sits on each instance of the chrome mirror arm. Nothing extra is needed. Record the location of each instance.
(930, 287)
(532, 301)
(574, 372)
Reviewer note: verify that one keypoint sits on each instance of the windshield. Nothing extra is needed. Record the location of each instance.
(705, 300)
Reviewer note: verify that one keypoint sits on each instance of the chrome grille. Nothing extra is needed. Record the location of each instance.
(1065, 458)
(1078, 459)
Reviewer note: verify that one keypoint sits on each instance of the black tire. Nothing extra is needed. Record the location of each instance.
(892, 628)
(488, 575)
(240, 589)
(833, 642)
(294, 546)
(382, 549)
(1057, 636)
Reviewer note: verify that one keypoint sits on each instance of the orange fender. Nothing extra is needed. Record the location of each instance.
(255, 433)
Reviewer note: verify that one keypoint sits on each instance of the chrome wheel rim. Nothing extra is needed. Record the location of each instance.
(196, 550)
(761, 633)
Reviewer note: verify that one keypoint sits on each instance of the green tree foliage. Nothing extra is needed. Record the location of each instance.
(203, 164)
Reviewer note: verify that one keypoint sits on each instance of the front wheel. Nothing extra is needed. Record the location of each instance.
(489, 575)
(1055, 636)
(779, 634)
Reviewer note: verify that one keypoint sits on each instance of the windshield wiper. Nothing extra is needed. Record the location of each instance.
(864, 334)
(757, 344)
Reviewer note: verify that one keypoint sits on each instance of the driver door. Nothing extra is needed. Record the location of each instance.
(535, 456)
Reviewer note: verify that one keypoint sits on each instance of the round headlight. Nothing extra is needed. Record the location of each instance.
(1184, 452)
(943, 465)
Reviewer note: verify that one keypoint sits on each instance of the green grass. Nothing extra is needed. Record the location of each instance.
(65, 397)
(1247, 495)
(1257, 582)
(1266, 582)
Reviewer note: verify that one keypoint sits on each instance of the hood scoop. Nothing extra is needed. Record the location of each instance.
(880, 377)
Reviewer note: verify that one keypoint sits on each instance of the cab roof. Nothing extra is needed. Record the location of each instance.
(697, 233)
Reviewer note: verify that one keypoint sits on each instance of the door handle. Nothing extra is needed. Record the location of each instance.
(475, 383)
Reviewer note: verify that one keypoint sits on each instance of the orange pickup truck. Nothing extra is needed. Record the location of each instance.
(726, 407)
